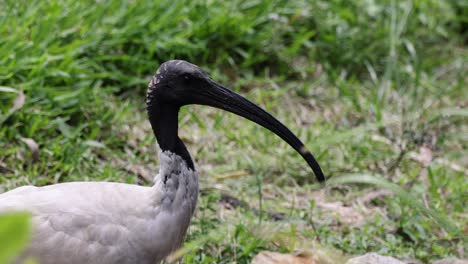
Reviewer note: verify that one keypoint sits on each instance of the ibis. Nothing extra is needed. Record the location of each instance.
(107, 222)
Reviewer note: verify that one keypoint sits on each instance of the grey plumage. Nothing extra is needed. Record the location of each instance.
(113, 222)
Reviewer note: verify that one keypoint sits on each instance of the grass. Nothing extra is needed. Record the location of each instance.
(372, 87)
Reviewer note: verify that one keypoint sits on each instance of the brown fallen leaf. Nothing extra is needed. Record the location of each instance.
(19, 102)
(346, 214)
(140, 170)
(424, 156)
(232, 175)
(452, 165)
(33, 146)
(369, 197)
(373, 258)
(268, 257)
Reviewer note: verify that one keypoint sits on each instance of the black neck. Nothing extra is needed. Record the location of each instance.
(164, 120)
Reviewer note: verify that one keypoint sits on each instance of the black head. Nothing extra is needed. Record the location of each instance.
(179, 83)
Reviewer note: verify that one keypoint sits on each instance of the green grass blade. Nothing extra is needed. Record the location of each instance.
(406, 197)
(14, 234)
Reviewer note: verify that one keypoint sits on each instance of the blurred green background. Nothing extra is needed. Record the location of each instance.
(376, 89)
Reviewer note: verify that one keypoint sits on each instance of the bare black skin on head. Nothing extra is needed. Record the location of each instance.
(178, 83)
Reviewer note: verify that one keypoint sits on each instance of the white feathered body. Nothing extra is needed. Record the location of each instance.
(103, 222)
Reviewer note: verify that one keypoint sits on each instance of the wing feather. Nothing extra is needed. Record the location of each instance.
(80, 227)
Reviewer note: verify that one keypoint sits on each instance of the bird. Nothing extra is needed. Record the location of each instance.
(109, 222)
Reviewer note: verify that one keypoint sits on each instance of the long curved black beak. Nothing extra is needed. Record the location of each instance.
(220, 97)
